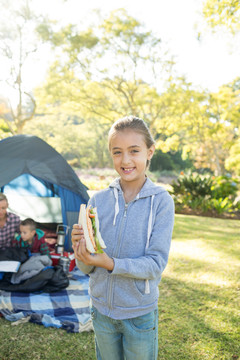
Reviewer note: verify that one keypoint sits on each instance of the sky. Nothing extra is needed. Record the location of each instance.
(208, 63)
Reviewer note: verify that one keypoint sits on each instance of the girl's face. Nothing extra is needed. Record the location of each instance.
(130, 154)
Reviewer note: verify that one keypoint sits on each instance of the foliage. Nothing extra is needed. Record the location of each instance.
(233, 160)
(199, 125)
(4, 129)
(169, 161)
(193, 185)
(114, 68)
(198, 303)
(107, 79)
(205, 193)
(69, 136)
(224, 13)
(221, 205)
(202, 124)
(224, 186)
(97, 92)
(19, 43)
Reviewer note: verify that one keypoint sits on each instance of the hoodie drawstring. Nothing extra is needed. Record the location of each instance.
(116, 206)
(147, 287)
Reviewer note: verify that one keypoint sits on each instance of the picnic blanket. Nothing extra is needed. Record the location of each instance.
(67, 309)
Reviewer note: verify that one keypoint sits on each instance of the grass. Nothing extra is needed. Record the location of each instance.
(200, 291)
(199, 304)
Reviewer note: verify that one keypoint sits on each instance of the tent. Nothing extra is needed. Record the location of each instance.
(39, 183)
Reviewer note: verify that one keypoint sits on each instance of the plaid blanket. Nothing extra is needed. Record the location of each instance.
(67, 309)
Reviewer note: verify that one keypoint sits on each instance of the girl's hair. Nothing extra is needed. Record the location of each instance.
(133, 123)
(3, 197)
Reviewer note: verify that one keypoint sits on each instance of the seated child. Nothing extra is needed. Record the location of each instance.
(31, 237)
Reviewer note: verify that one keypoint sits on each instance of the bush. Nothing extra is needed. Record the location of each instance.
(221, 205)
(225, 186)
(169, 161)
(193, 185)
(204, 193)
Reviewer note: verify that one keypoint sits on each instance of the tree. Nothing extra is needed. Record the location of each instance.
(233, 161)
(4, 129)
(106, 76)
(102, 72)
(113, 70)
(124, 61)
(201, 124)
(224, 13)
(18, 44)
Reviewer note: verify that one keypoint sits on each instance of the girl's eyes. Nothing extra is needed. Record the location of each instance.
(119, 152)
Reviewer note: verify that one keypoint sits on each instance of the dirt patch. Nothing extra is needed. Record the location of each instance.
(167, 179)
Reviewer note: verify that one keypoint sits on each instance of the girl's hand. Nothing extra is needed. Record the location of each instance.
(77, 234)
(81, 253)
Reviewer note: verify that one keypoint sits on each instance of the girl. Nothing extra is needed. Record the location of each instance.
(136, 221)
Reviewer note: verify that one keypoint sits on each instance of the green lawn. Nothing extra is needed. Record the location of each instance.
(199, 304)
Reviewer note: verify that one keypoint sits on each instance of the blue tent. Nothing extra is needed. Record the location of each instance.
(39, 183)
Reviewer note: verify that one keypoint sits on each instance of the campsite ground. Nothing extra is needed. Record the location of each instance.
(198, 304)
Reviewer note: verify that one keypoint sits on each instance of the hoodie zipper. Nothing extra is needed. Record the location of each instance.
(109, 299)
(125, 210)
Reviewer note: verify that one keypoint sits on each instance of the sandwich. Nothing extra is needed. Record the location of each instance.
(88, 218)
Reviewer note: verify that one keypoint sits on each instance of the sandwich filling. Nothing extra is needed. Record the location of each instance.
(91, 223)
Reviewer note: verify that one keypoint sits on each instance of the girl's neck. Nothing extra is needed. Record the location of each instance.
(130, 190)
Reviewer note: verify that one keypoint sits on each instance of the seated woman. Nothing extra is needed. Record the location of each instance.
(31, 237)
(9, 223)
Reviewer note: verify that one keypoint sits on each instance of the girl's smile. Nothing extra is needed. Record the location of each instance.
(128, 171)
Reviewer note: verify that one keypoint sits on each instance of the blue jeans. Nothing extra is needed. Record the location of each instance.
(130, 339)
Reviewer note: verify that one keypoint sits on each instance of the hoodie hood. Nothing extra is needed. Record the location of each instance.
(148, 189)
(40, 233)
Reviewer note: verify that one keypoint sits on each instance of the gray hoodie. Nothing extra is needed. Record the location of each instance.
(138, 237)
